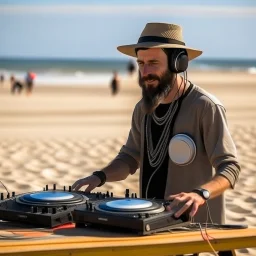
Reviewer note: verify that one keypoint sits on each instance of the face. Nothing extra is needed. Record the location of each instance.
(155, 78)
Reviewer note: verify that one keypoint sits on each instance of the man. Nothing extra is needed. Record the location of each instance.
(179, 135)
(29, 80)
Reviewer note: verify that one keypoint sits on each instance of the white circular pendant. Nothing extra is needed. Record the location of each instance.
(182, 149)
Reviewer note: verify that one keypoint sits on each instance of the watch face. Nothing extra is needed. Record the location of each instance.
(206, 194)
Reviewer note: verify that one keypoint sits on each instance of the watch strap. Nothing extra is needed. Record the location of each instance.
(200, 192)
(102, 176)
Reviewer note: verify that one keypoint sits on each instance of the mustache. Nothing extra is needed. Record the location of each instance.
(150, 77)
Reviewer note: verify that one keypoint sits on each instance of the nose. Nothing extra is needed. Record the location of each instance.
(145, 71)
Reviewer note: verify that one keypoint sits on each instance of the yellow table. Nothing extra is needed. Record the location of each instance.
(68, 241)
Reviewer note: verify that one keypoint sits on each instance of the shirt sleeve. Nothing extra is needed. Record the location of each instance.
(219, 144)
(130, 152)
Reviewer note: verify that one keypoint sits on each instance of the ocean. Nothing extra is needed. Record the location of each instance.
(97, 71)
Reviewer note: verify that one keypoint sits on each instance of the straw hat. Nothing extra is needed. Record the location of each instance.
(160, 35)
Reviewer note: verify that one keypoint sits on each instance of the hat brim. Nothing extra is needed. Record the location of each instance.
(130, 49)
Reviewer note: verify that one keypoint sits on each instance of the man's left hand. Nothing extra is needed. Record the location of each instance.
(191, 199)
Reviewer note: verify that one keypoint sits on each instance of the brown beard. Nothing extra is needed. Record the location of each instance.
(153, 95)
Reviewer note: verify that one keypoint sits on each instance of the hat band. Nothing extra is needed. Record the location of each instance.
(159, 39)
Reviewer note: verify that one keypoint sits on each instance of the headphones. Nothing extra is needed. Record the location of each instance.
(177, 59)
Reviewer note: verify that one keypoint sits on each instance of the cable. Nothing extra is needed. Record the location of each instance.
(4, 187)
(206, 238)
(208, 213)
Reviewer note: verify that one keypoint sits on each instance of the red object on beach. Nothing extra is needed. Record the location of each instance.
(33, 75)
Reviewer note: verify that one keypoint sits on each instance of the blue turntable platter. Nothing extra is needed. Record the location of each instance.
(129, 204)
(52, 198)
(48, 196)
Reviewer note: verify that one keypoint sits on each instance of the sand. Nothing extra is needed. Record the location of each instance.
(60, 134)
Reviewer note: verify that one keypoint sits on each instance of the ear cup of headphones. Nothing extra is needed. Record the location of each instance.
(178, 60)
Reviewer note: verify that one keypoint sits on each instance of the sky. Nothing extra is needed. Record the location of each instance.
(93, 29)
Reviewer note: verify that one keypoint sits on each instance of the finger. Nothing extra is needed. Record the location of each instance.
(176, 201)
(167, 208)
(194, 210)
(183, 208)
(171, 197)
(75, 184)
(90, 188)
(81, 183)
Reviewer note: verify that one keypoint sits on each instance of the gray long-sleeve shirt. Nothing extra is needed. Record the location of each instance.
(202, 117)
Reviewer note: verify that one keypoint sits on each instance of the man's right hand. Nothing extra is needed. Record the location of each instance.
(92, 182)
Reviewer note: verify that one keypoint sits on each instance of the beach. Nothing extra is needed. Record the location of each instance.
(60, 134)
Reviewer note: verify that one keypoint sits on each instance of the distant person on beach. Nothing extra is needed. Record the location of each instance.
(131, 67)
(179, 135)
(29, 80)
(1, 79)
(16, 86)
(114, 84)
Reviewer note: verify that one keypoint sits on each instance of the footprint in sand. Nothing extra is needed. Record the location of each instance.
(238, 209)
(250, 199)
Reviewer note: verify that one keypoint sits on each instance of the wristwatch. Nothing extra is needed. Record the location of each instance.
(102, 176)
(205, 194)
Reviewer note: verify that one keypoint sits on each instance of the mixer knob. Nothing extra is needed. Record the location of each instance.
(8, 195)
(69, 189)
(147, 215)
(97, 195)
(46, 187)
(34, 209)
(111, 194)
(54, 210)
(135, 195)
(13, 194)
(107, 194)
(139, 215)
(132, 195)
(2, 196)
(54, 186)
(65, 207)
(64, 188)
(127, 193)
(90, 206)
(45, 210)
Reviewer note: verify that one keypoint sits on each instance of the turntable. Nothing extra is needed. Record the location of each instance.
(142, 216)
(47, 208)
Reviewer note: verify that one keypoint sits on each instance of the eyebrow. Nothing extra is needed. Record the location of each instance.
(150, 61)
